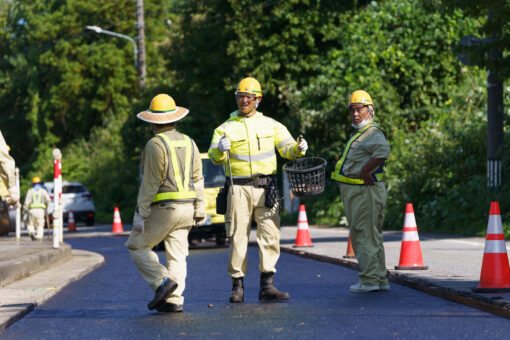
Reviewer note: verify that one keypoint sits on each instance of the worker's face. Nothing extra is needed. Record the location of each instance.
(246, 102)
(359, 113)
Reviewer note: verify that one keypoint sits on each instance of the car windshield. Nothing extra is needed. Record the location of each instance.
(72, 189)
(214, 175)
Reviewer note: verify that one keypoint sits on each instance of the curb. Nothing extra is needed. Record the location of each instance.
(82, 263)
(494, 304)
(32, 264)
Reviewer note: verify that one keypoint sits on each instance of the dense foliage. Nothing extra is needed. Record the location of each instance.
(62, 86)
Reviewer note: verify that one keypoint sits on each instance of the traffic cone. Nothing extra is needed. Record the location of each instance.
(71, 225)
(303, 233)
(117, 223)
(350, 252)
(495, 275)
(410, 250)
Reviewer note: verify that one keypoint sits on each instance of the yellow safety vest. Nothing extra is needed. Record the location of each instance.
(338, 174)
(37, 200)
(185, 190)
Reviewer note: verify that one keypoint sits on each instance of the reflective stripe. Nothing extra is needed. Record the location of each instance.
(495, 225)
(213, 146)
(162, 196)
(254, 158)
(495, 246)
(338, 175)
(410, 236)
(182, 186)
(284, 142)
(409, 221)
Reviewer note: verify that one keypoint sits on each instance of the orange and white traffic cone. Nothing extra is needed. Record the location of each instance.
(349, 254)
(410, 250)
(71, 225)
(303, 233)
(117, 223)
(495, 275)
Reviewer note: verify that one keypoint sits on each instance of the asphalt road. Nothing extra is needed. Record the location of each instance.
(110, 303)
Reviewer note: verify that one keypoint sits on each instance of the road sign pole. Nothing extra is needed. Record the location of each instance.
(57, 199)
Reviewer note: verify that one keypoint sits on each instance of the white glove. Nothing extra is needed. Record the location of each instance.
(200, 220)
(302, 145)
(224, 144)
(138, 223)
(13, 197)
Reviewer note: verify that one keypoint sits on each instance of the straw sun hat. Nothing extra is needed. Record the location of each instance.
(163, 111)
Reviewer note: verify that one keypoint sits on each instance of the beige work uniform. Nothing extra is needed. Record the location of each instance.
(169, 221)
(364, 207)
(36, 215)
(7, 166)
(254, 141)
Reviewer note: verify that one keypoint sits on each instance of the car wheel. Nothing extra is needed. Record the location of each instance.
(89, 222)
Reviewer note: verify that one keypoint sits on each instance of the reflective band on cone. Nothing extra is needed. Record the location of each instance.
(303, 233)
(410, 250)
(117, 223)
(495, 274)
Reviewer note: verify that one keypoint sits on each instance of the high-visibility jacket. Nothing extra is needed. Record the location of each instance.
(253, 142)
(177, 185)
(36, 199)
(377, 147)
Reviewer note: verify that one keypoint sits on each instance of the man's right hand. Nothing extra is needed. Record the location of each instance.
(224, 144)
(13, 197)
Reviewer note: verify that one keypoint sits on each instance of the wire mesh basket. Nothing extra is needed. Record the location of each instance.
(307, 176)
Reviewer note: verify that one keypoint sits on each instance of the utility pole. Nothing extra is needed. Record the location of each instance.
(140, 41)
(495, 123)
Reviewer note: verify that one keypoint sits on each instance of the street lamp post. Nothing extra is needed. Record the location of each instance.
(118, 35)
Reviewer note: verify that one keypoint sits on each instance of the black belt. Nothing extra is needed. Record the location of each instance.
(256, 182)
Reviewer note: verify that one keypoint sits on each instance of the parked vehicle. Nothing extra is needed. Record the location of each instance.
(214, 226)
(77, 198)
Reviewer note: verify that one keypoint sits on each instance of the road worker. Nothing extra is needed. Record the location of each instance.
(250, 140)
(7, 172)
(170, 201)
(35, 204)
(359, 174)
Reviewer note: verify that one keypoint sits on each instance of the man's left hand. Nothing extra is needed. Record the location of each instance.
(302, 145)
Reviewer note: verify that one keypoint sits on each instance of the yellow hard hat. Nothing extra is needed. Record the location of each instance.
(249, 85)
(360, 97)
(36, 180)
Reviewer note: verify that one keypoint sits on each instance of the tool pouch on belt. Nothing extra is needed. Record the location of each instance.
(221, 199)
(272, 193)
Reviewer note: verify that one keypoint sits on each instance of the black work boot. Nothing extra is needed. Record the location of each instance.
(268, 292)
(167, 287)
(237, 295)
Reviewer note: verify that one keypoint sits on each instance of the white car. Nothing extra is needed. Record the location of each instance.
(77, 198)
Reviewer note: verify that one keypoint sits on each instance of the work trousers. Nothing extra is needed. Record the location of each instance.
(248, 204)
(364, 208)
(168, 222)
(35, 222)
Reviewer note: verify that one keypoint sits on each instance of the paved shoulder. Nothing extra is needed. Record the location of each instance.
(21, 297)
